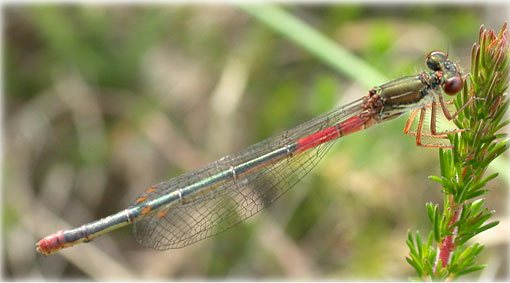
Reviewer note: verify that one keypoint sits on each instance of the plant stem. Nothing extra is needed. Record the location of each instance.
(447, 245)
(446, 256)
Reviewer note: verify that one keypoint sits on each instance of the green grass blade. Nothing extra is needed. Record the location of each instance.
(316, 43)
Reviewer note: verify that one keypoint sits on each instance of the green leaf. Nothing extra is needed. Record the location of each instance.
(459, 197)
(431, 208)
(488, 139)
(430, 239)
(411, 245)
(483, 182)
(470, 270)
(448, 185)
(502, 135)
(486, 227)
(419, 244)
(415, 265)
(476, 194)
(446, 219)
(475, 206)
(442, 161)
(437, 179)
(436, 223)
(495, 152)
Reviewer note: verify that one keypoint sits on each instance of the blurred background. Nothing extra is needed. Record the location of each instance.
(103, 101)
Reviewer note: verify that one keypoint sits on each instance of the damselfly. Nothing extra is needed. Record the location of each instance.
(211, 199)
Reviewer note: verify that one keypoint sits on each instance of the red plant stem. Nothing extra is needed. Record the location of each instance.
(447, 244)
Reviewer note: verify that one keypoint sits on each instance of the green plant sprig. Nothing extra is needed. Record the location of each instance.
(446, 255)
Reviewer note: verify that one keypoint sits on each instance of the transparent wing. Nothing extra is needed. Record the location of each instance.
(234, 200)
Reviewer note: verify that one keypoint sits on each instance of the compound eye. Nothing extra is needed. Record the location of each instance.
(434, 60)
(453, 85)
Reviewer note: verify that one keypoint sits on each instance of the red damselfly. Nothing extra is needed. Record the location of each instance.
(211, 199)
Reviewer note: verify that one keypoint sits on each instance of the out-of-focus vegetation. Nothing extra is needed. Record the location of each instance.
(102, 102)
